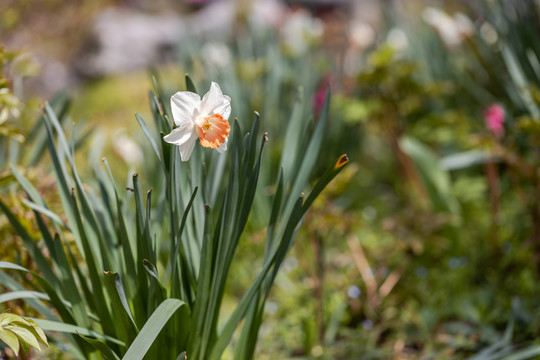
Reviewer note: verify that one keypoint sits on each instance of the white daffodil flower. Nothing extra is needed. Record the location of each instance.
(205, 119)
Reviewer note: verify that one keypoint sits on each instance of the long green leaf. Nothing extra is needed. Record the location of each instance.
(73, 329)
(101, 347)
(24, 294)
(152, 328)
(173, 258)
(151, 269)
(150, 138)
(527, 353)
(312, 151)
(190, 85)
(48, 213)
(30, 246)
(125, 326)
(39, 306)
(228, 329)
(436, 180)
(8, 265)
(27, 186)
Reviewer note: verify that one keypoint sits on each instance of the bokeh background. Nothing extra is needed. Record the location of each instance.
(427, 246)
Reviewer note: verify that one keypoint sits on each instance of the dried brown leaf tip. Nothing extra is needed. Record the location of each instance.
(343, 159)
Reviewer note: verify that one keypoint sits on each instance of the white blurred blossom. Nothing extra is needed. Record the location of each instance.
(361, 34)
(488, 33)
(397, 39)
(271, 307)
(299, 30)
(10, 106)
(216, 54)
(354, 292)
(127, 149)
(451, 29)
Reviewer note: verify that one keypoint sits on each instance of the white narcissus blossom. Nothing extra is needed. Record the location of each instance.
(205, 119)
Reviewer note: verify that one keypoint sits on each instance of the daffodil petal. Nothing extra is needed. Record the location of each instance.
(224, 110)
(223, 147)
(187, 148)
(181, 134)
(213, 100)
(183, 105)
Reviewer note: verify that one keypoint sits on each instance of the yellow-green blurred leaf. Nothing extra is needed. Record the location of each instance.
(10, 339)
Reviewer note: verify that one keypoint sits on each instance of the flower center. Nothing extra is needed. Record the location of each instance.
(212, 130)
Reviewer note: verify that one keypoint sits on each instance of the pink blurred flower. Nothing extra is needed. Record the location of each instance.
(494, 118)
(320, 93)
(318, 99)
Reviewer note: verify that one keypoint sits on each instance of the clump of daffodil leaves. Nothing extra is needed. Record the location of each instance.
(151, 276)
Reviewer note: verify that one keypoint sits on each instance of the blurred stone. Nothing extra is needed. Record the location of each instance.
(122, 40)
(54, 77)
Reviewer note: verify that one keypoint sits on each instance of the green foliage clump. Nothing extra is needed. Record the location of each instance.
(118, 274)
(21, 333)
